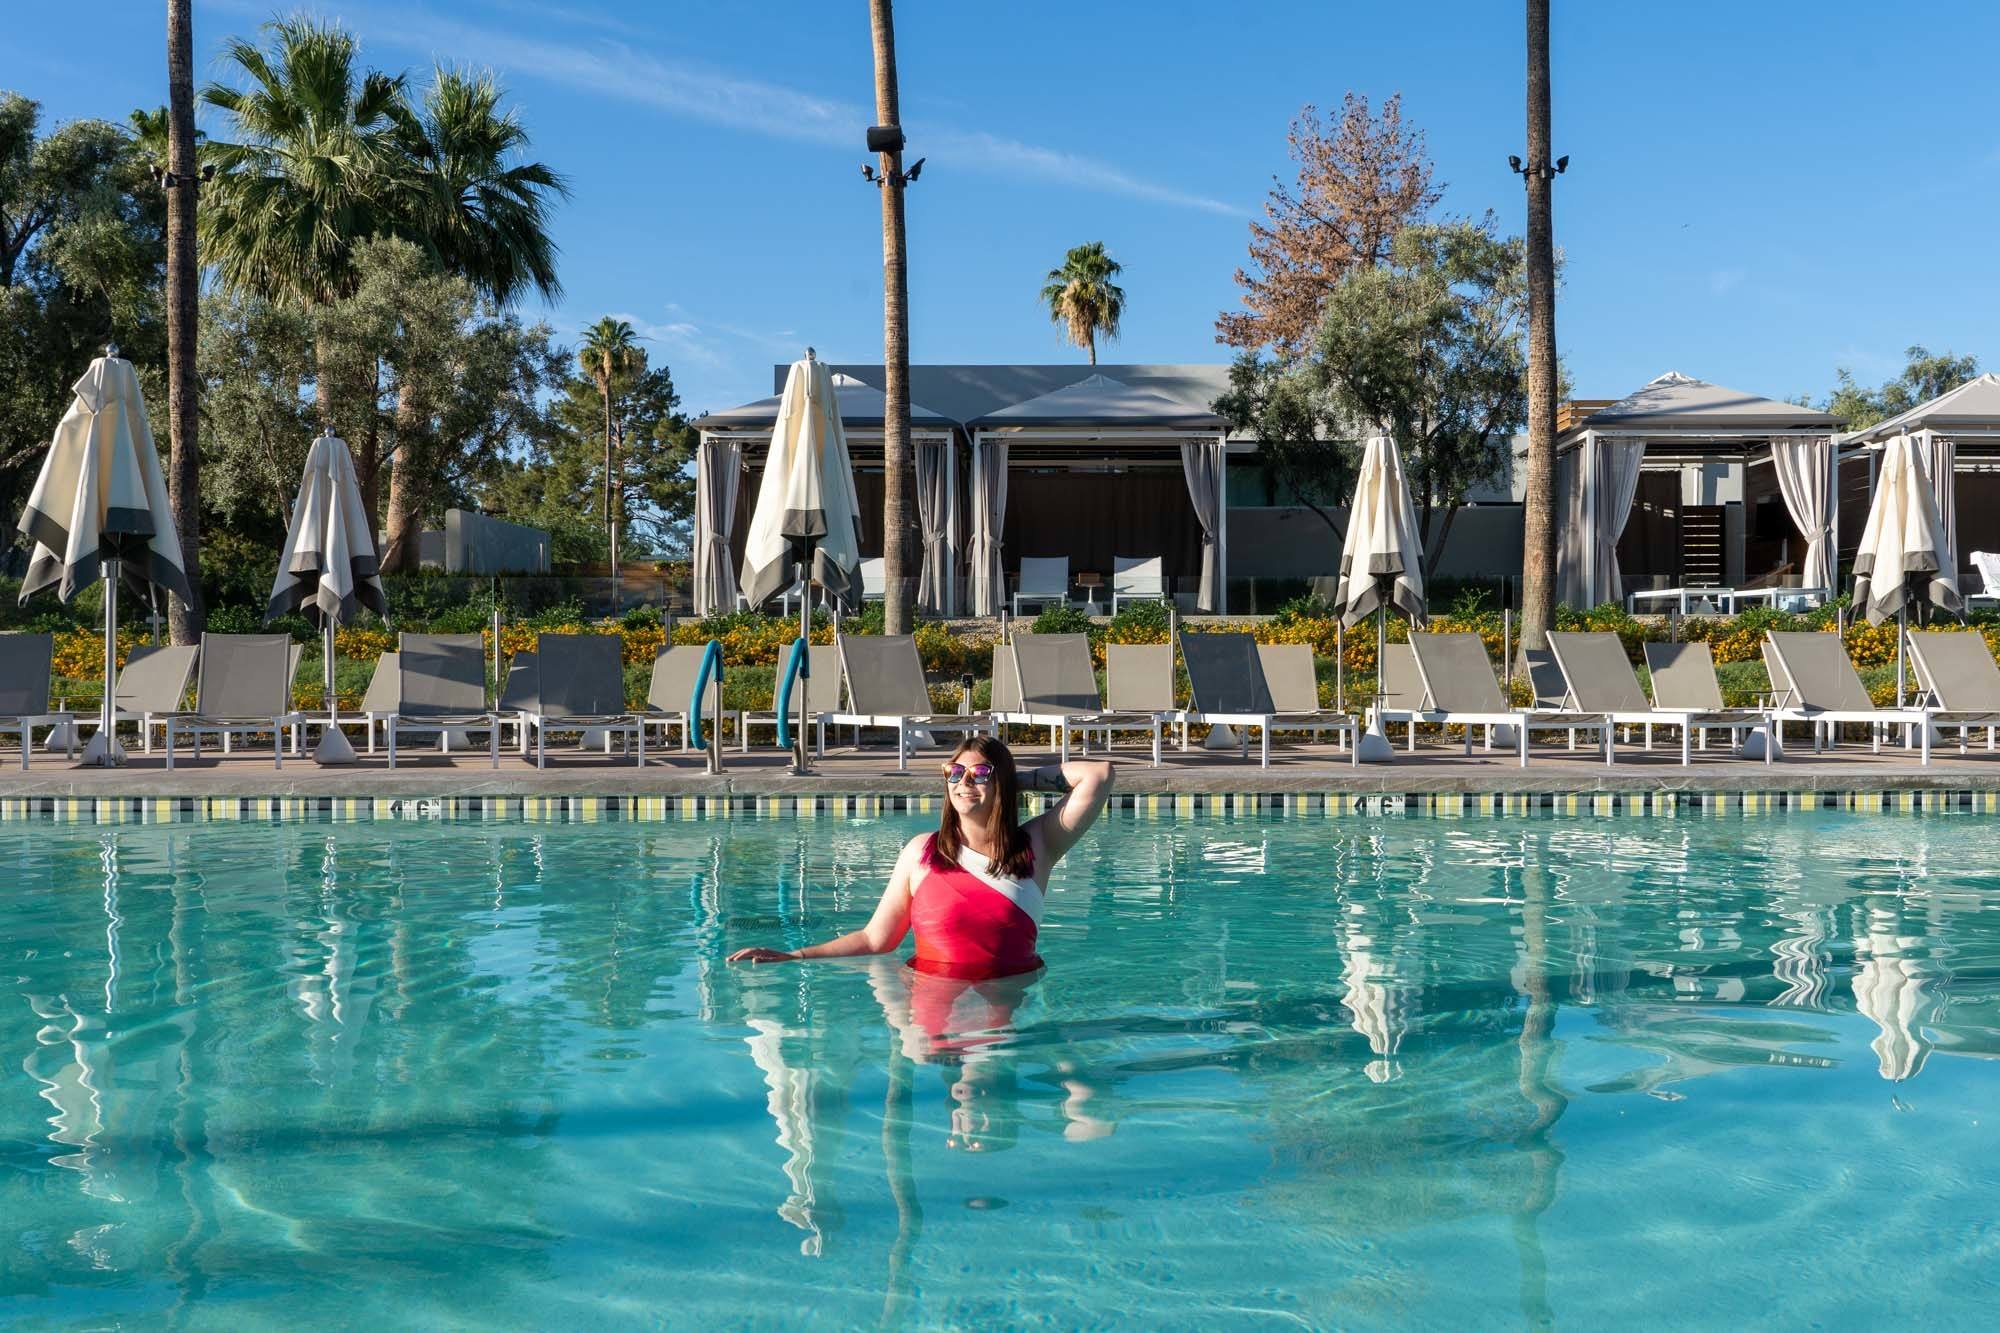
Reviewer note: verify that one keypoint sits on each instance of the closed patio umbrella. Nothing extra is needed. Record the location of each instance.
(1381, 562)
(100, 508)
(328, 569)
(1900, 560)
(807, 521)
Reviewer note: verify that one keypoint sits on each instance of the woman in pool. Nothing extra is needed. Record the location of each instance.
(973, 890)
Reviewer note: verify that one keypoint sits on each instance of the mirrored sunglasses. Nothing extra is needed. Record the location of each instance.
(979, 773)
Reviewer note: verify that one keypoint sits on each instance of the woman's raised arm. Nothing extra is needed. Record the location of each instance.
(1088, 784)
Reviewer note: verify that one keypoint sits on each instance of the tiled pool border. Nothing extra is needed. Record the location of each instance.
(658, 809)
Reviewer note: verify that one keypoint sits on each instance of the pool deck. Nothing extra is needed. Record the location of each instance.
(1294, 768)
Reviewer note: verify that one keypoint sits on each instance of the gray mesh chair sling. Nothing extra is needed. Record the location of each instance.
(26, 669)
(672, 686)
(580, 686)
(1042, 580)
(1138, 690)
(1597, 677)
(822, 698)
(243, 688)
(384, 692)
(441, 687)
(1046, 680)
(1683, 680)
(152, 683)
(520, 693)
(1460, 689)
(1813, 681)
(885, 688)
(1227, 687)
(1960, 681)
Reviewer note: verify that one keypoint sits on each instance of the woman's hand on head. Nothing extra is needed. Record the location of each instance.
(756, 955)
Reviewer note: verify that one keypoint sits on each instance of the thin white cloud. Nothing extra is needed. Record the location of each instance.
(1724, 281)
(622, 71)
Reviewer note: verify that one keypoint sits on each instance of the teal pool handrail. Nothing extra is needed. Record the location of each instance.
(797, 667)
(710, 659)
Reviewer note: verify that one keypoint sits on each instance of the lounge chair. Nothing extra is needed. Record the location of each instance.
(822, 698)
(384, 692)
(1294, 685)
(1812, 680)
(1597, 678)
(441, 687)
(1042, 580)
(579, 686)
(885, 688)
(152, 683)
(1959, 679)
(520, 692)
(1988, 565)
(1046, 680)
(1460, 689)
(27, 666)
(243, 687)
(1138, 690)
(1136, 578)
(1227, 687)
(874, 582)
(1683, 680)
(671, 689)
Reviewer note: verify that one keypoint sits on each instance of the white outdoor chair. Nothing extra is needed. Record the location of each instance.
(1137, 579)
(1042, 580)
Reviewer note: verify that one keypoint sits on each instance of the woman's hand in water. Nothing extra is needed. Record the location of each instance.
(762, 956)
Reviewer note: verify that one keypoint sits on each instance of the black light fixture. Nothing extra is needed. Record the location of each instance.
(162, 177)
(1532, 170)
(888, 139)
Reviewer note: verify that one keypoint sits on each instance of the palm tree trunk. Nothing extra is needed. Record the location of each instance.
(1538, 555)
(897, 562)
(184, 619)
(610, 524)
(402, 543)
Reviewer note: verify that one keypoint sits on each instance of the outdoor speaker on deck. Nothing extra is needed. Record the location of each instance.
(885, 139)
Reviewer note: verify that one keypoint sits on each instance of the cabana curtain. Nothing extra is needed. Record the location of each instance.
(934, 502)
(989, 513)
(1806, 479)
(1203, 463)
(1599, 480)
(718, 469)
(1939, 456)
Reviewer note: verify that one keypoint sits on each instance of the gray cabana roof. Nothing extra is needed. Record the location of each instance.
(1099, 402)
(1681, 405)
(1973, 405)
(861, 407)
(966, 393)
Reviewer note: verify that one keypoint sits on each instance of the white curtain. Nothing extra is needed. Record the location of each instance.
(1939, 457)
(989, 514)
(1806, 480)
(1202, 462)
(934, 501)
(718, 472)
(1614, 483)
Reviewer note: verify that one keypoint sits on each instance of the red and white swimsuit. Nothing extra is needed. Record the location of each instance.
(973, 923)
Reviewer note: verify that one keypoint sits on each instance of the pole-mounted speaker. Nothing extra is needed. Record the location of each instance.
(885, 138)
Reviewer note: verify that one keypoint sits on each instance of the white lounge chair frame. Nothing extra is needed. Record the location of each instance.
(1137, 578)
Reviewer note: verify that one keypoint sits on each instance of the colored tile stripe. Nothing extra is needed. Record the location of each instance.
(1182, 805)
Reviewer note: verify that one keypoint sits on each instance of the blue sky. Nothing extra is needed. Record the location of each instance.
(1758, 194)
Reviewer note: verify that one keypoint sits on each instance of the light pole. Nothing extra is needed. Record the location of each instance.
(614, 497)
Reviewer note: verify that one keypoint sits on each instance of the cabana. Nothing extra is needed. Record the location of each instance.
(737, 440)
(1956, 436)
(1077, 421)
(1679, 451)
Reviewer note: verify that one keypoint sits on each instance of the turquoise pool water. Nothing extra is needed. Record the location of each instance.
(1279, 1073)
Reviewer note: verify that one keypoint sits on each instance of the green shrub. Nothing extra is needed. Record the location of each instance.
(1064, 619)
(1149, 617)
(641, 617)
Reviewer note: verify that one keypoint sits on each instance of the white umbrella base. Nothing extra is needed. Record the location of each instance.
(103, 752)
(1753, 745)
(1372, 746)
(333, 748)
(61, 739)
(1221, 736)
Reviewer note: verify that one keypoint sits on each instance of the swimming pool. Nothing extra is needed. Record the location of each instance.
(1322, 1072)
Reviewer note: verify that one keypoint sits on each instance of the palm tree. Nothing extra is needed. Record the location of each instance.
(184, 618)
(1082, 298)
(609, 348)
(1538, 553)
(461, 193)
(898, 586)
(305, 179)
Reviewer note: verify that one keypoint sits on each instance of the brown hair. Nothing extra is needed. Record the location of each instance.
(1016, 855)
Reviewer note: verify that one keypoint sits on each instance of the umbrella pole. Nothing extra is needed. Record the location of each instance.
(104, 751)
(334, 747)
(1372, 746)
(800, 767)
(1339, 664)
(1902, 632)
